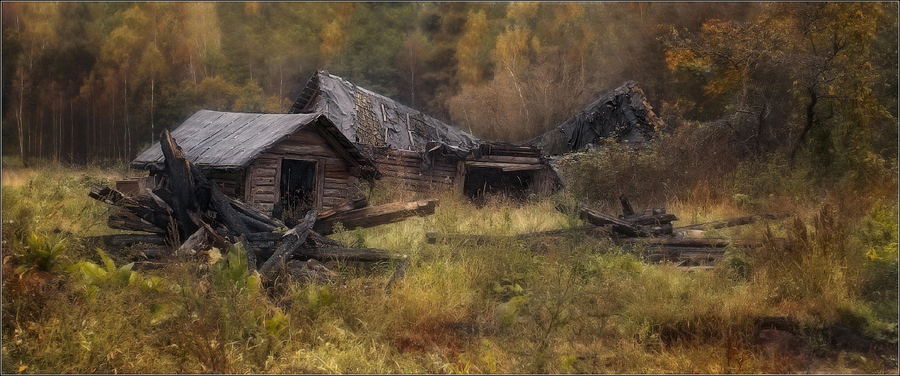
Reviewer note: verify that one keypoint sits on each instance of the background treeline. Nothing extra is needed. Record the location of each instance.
(84, 82)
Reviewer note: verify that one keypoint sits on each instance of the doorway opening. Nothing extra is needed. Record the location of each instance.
(484, 181)
(298, 188)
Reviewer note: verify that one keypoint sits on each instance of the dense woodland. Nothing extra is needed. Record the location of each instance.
(86, 82)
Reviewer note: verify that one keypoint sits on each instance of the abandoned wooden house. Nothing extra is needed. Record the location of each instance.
(420, 153)
(622, 115)
(291, 162)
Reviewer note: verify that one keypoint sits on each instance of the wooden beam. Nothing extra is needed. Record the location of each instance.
(348, 254)
(621, 226)
(293, 240)
(506, 167)
(739, 221)
(376, 215)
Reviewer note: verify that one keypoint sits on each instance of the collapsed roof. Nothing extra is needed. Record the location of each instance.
(229, 141)
(371, 119)
(622, 114)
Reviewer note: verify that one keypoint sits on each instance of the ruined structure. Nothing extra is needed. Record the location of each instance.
(301, 161)
(622, 115)
(421, 153)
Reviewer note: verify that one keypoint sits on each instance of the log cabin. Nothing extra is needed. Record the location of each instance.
(420, 153)
(286, 163)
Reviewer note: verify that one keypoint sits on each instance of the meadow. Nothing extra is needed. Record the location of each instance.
(575, 305)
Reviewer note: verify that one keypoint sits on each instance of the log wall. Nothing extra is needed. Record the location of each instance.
(334, 182)
(404, 167)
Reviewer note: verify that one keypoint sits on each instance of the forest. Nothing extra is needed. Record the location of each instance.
(84, 82)
(767, 107)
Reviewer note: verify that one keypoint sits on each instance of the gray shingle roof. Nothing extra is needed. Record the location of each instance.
(372, 119)
(231, 141)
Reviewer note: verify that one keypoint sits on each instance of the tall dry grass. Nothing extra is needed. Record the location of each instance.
(575, 305)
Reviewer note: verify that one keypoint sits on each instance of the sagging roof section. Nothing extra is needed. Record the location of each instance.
(368, 118)
(227, 141)
(622, 114)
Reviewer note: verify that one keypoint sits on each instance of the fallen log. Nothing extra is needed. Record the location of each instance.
(348, 254)
(701, 242)
(125, 220)
(143, 207)
(222, 204)
(356, 202)
(119, 241)
(650, 219)
(376, 215)
(293, 240)
(107, 195)
(198, 241)
(256, 214)
(739, 221)
(620, 226)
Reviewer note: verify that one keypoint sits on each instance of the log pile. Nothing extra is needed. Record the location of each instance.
(649, 232)
(186, 213)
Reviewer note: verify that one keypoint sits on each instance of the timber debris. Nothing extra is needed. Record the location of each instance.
(186, 213)
(649, 231)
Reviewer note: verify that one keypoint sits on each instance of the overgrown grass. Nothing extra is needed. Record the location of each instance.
(572, 305)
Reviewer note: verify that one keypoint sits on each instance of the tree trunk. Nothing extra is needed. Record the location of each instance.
(810, 113)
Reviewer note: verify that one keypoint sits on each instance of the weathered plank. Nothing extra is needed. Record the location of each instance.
(739, 221)
(376, 215)
(348, 254)
(507, 167)
(602, 219)
(292, 242)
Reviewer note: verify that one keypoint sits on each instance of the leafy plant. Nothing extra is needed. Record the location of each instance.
(41, 253)
(93, 275)
(231, 271)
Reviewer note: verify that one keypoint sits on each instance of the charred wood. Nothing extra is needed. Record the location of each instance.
(618, 225)
(181, 184)
(293, 241)
(125, 220)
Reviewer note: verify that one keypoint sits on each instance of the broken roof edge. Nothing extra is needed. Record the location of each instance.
(555, 141)
(328, 131)
(448, 134)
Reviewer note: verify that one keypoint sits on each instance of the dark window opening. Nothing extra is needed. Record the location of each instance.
(484, 181)
(298, 188)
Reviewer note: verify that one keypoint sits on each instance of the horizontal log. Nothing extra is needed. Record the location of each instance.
(127, 221)
(739, 221)
(402, 171)
(376, 215)
(507, 159)
(699, 243)
(256, 213)
(651, 219)
(620, 226)
(506, 167)
(292, 242)
(118, 241)
(348, 254)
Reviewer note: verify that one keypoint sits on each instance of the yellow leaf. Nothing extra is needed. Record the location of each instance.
(22, 368)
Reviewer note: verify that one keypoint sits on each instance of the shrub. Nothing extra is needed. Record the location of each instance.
(41, 253)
